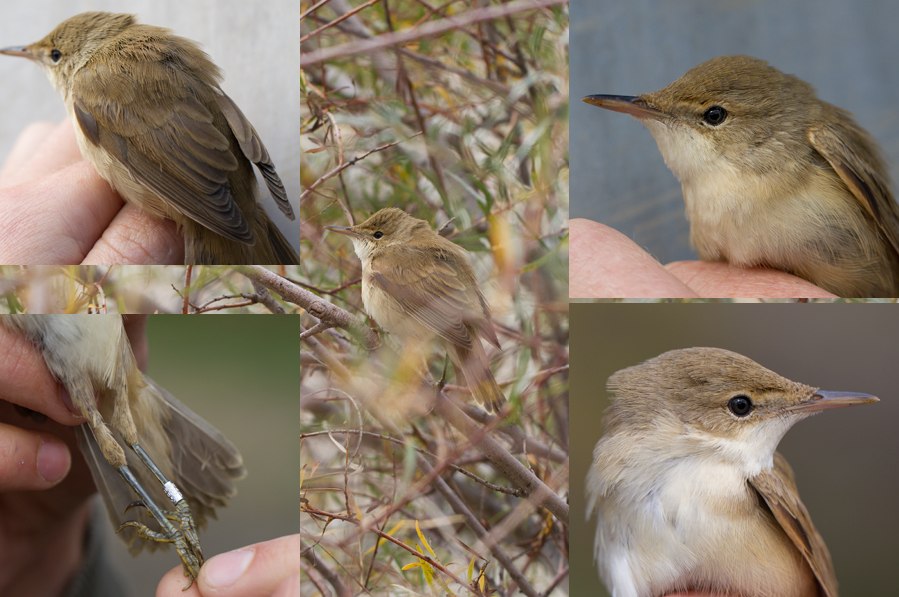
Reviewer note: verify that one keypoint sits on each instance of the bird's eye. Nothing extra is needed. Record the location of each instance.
(378, 234)
(714, 115)
(55, 55)
(740, 405)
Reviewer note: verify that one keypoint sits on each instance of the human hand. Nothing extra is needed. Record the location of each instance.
(604, 263)
(56, 210)
(44, 482)
(271, 568)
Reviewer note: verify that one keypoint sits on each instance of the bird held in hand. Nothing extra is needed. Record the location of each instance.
(175, 455)
(772, 176)
(151, 117)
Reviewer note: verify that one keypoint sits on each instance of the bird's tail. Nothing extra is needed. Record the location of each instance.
(205, 247)
(476, 369)
(282, 249)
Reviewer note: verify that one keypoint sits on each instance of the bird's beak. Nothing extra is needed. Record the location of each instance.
(21, 51)
(343, 230)
(634, 105)
(823, 400)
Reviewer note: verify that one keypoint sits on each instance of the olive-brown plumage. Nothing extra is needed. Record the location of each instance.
(773, 176)
(689, 492)
(418, 285)
(150, 115)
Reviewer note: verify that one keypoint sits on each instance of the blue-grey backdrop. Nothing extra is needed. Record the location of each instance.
(847, 50)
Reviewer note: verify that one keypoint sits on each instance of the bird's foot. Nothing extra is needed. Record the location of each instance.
(184, 537)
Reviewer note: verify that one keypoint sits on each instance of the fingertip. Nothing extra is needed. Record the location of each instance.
(57, 218)
(53, 461)
(28, 382)
(225, 569)
(173, 585)
(723, 280)
(261, 569)
(31, 460)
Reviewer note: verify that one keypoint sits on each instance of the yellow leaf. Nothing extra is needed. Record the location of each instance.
(425, 541)
(429, 575)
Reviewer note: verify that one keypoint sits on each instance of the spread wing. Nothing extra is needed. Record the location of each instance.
(151, 112)
(778, 488)
(444, 299)
(855, 158)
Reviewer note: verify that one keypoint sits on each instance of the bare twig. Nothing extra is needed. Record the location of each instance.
(340, 168)
(468, 17)
(264, 297)
(185, 301)
(331, 516)
(537, 492)
(317, 307)
(339, 19)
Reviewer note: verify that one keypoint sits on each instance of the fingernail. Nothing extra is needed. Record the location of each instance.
(224, 569)
(52, 461)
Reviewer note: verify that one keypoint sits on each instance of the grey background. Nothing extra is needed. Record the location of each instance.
(254, 43)
(844, 460)
(847, 50)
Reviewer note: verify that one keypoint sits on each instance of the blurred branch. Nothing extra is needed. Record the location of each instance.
(341, 167)
(340, 589)
(337, 20)
(520, 440)
(460, 508)
(536, 491)
(331, 516)
(329, 315)
(480, 532)
(477, 479)
(431, 29)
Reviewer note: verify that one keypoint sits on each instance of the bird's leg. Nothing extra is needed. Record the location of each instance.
(184, 537)
(182, 512)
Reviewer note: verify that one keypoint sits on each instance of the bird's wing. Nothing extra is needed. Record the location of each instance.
(778, 488)
(171, 145)
(252, 147)
(850, 152)
(437, 298)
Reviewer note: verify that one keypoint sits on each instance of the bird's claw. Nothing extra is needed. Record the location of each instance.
(185, 537)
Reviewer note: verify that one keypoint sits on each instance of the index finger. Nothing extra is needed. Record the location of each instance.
(26, 381)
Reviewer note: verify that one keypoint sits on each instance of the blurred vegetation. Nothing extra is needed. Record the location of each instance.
(737, 300)
(130, 289)
(467, 129)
